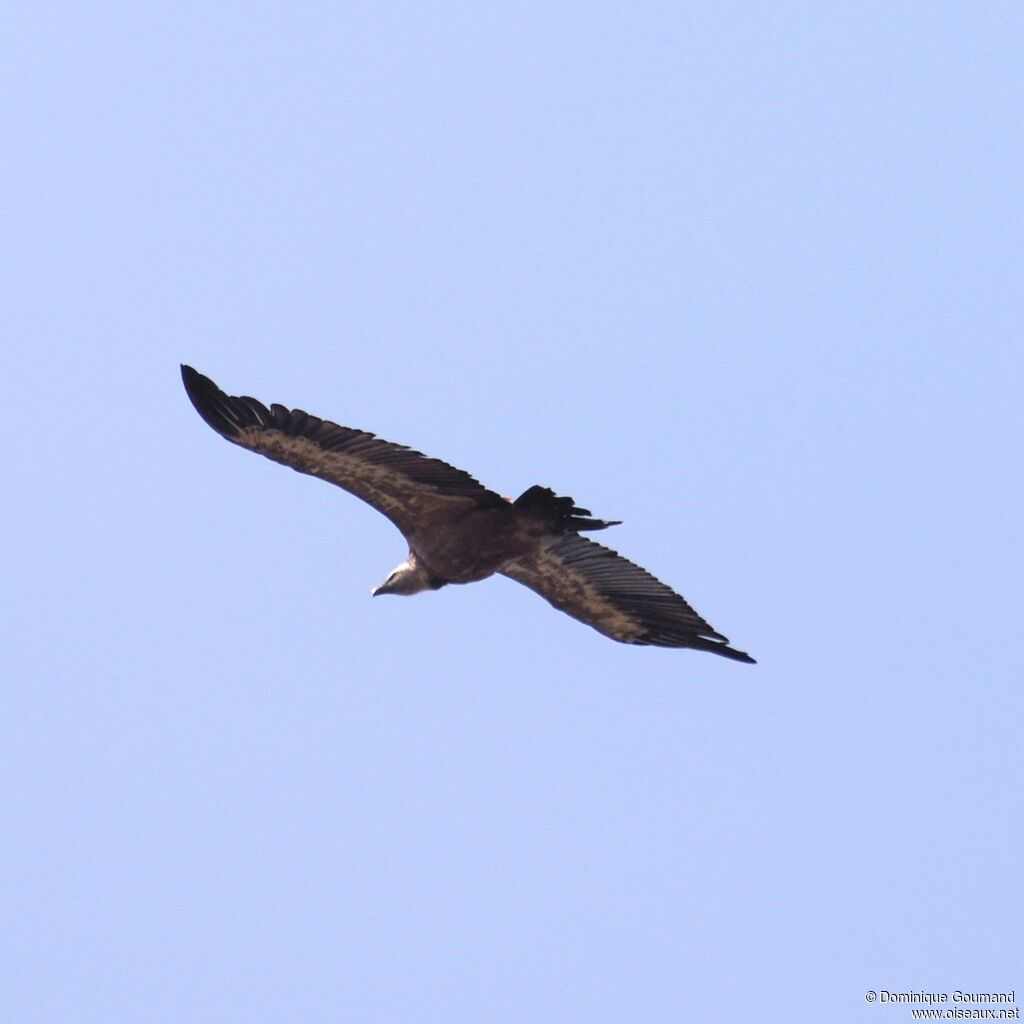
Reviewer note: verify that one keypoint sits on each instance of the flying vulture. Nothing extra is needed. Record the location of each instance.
(458, 531)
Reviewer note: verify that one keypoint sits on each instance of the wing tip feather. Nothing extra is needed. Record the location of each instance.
(210, 402)
(730, 652)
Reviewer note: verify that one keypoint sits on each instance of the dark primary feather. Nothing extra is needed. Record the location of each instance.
(601, 588)
(401, 483)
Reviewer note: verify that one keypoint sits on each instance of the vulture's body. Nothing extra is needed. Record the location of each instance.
(458, 531)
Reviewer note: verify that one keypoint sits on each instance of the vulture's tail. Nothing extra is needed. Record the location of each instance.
(563, 511)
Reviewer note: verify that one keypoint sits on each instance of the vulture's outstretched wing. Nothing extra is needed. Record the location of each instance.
(403, 484)
(601, 588)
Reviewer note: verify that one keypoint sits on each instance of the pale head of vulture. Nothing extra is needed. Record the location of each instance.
(408, 579)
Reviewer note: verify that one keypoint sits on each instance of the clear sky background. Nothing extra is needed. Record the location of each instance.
(745, 276)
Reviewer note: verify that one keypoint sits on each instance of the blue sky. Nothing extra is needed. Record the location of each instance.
(746, 277)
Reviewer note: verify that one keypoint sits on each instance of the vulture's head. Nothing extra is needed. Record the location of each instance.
(408, 578)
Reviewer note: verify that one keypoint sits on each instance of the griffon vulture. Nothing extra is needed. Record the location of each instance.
(458, 531)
